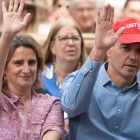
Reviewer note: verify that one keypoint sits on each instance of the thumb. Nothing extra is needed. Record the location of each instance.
(25, 20)
(120, 31)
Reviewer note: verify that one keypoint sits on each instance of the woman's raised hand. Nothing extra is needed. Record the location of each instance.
(104, 36)
(12, 20)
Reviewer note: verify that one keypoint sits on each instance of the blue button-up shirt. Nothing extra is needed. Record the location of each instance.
(97, 108)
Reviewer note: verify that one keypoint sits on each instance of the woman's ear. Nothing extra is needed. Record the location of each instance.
(4, 72)
(52, 47)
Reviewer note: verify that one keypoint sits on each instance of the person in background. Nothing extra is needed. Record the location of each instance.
(131, 9)
(24, 114)
(61, 9)
(83, 12)
(118, 6)
(32, 6)
(64, 52)
(103, 102)
(50, 5)
(43, 17)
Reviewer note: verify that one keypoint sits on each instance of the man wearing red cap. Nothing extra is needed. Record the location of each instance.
(103, 103)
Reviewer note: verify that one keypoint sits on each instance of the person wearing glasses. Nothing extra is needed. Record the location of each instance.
(64, 52)
(24, 114)
(83, 12)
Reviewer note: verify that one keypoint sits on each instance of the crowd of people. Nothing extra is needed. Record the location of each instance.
(58, 91)
(45, 12)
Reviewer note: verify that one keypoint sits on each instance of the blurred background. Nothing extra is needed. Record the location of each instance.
(45, 12)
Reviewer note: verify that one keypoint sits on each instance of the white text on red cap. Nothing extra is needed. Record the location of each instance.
(132, 25)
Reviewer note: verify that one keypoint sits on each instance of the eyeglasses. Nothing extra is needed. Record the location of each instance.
(65, 39)
(81, 10)
(29, 9)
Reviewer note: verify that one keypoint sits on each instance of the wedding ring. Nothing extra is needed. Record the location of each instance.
(9, 11)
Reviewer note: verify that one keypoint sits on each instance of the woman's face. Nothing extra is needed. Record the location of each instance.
(28, 9)
(64, 49)
(21, 69)
(62, 9)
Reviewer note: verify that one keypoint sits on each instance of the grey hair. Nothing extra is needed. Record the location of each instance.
(74, 2)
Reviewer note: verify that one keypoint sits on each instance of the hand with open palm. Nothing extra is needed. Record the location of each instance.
(104, 35)
(12, 20)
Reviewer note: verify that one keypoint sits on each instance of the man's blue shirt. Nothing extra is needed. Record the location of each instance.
(97, 108)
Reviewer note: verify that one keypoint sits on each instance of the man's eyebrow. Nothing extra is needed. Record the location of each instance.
(127, 44)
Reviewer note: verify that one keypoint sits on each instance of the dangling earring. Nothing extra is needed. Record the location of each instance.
(4, 79)
(80, 60)
(53, 57)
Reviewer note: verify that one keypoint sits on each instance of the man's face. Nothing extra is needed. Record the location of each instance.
(124, 60)
(84, 15)
(132, 10)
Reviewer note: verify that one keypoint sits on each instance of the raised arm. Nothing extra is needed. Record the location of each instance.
(12, 25)
(78, 87)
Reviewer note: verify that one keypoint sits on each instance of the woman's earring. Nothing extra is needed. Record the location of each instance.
(80, 60)
(4, 79)
(53, 57)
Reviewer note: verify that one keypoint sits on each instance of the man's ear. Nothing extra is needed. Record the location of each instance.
(52, 47)
(109, 52)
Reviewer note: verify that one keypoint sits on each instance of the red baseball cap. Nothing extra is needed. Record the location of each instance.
(132, 31)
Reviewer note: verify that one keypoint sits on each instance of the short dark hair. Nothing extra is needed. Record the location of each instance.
(126, 3)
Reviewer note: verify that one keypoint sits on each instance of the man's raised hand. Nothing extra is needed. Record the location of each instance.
(104, 35)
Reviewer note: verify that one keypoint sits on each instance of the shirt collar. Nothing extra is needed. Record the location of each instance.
(138, 79)
(13, 98)
(104, 78)
(8, 105)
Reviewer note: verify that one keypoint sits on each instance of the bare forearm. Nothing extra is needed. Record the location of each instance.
(5, 42)
(52, 135)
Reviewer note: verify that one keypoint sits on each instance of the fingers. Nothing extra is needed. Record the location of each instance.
(120, 31)
(104, 13)
(112, 15)
(21, 6)
(26, 19)
(15, 6)
(108, 13)
(11, 5)
(4, 7)
(98, 19)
